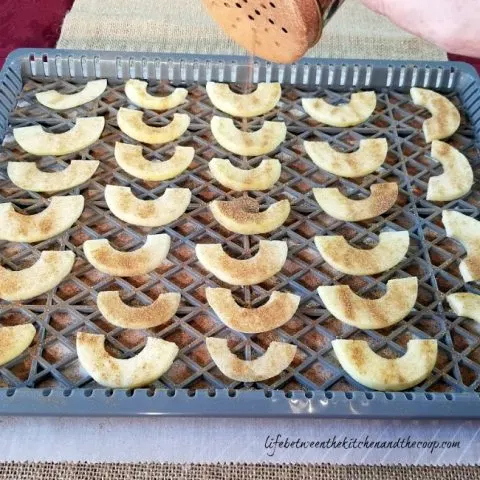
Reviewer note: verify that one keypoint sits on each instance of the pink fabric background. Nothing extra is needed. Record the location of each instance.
(30, 23)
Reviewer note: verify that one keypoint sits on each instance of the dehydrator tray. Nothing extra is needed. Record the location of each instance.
(47, 378)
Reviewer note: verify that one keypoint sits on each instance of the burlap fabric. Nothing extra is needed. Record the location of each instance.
(183, 26)
(155, 471)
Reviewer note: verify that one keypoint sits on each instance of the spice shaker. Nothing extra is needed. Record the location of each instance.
(278, 30)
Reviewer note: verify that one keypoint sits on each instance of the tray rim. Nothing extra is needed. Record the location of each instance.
(233, 403)
(15, 55)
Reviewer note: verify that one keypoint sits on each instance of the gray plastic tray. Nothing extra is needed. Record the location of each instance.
(47, 378)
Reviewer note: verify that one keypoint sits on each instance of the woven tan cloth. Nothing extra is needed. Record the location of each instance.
(147, 471)
(182, 26)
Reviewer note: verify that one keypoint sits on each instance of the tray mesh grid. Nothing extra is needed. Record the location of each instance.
(51, 360)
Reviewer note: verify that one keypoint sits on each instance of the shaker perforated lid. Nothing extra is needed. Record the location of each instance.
(278, 30)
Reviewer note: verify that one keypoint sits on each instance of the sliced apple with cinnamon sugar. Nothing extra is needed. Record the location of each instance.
(390, 250)
(37, 141)
(267, 262)
(262, 177)
(60, 101)
(465, 305)
(131, 123)
(279, 309)
(60, 215)
(383, 196)
(354, 112)
(457, 177)
(251, 144)
(142, 369)
(130, 159)
(242, 215)
(14, 341)
(262, 100)
(369, 156)
(147, 213)
(122, 315)
(27, 175)
(393, 306)
(445, 118)
(136, 92)
(276, 359)
(466, 230)
(387, 374)
(46, 273)
(141, 261)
